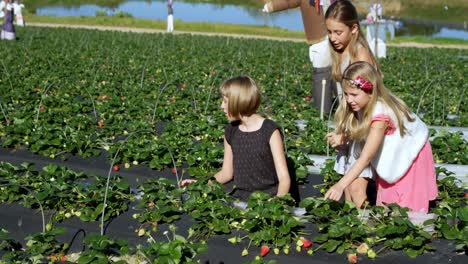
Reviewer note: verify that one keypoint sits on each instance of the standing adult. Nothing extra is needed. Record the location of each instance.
(170, 16)
(2, 6)
(312, 12)
(17, 7)
(8, 30)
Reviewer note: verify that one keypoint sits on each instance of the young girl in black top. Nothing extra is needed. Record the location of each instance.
(253, 146)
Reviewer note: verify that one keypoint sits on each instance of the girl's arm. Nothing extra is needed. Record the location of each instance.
(227, 171)
(373, 142)
(225, 174)
(281, 167)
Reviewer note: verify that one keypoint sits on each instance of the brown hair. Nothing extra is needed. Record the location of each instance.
(343, 11)
(244, 96)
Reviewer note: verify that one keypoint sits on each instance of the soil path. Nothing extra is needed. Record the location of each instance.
(144, 30)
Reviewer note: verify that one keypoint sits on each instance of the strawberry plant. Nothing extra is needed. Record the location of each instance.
(398, 233)
(101, 249)
(448, 147)
(175, 250)
(269, 221)
(45, 245)
(11, 247)
(161, 202)
(340, 226)
(40, 247)
(330, 176)
(65, 191)
(452, 211)
(209, 206)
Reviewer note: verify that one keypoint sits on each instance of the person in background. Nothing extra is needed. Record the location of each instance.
(396, 141)
(17, 7)
(8, 29)
(312, 12)
(170, 16)
(254, 157)
(2, 7)
(347, 45)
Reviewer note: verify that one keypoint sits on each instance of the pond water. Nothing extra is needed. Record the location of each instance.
(208, 12)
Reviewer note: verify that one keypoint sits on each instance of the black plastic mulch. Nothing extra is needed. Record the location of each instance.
(21, 222)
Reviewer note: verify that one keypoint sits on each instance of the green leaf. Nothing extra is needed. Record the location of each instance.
(331, 245)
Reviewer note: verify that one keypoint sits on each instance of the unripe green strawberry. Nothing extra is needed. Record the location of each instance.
(371, 254)
(298, 248)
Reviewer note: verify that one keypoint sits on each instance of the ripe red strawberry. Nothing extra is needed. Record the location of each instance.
(308, 98)
(116, 168)
(42, 108)
(174, 171)
(466, 195)
(306, 243)
(63, 258)
(264, 250)
(105, 97)
(352, 258)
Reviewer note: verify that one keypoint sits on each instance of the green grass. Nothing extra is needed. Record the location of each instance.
(211, 28)
(179, 25)
(422, 39)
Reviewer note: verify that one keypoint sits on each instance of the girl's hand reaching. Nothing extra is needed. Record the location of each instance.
(335, 140)
(334, 193)
(185, 183)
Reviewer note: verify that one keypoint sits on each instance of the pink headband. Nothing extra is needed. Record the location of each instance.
(362, 84)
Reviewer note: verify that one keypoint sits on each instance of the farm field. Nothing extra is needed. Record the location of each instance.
(77, 102)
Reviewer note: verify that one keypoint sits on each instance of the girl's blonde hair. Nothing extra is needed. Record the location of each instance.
(343, 11)
(244, 96)
(347, 121)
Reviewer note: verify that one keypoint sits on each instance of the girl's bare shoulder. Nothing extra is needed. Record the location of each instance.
(363, 54)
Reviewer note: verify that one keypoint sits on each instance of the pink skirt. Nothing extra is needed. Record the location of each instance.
(416, 188)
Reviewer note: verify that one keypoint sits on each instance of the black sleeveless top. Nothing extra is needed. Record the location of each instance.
(254, 168)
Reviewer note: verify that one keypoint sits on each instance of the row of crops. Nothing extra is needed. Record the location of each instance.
(159, 208)
(79, 92)
(152, 99)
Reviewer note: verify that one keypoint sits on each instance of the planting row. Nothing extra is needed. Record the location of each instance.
(266, 223)
(153, 98)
